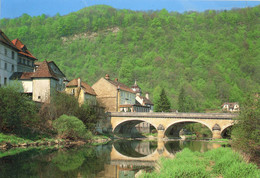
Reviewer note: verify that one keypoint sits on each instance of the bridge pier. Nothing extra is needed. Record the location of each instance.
(216, 134)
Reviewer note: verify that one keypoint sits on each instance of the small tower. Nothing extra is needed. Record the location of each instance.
(136, 89)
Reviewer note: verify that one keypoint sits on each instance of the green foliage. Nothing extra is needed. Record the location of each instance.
(214, 54)
(62, 103)
(221, 162)
(245, 133)
(163, 104)
(17, 111)
(70, 127)
(200, 130)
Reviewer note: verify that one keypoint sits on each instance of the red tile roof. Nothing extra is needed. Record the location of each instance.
(4, 39)
(84, 85)
(44, 71)
(22, 48)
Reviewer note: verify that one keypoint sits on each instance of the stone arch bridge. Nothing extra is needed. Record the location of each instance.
(164, 122)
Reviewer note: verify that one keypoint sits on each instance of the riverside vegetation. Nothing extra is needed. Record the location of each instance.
(212, 55)
(24, 123)
(220, 162)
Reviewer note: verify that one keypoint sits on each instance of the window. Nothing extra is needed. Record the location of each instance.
(5, 66)
(73, 91)
(12, 55)
(23, 61)
(39, 97)
(12, 68)
(19, 60)
(5, 81)
(28, 63)
(5, 51)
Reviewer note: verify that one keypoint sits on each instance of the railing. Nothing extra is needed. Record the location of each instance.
(174, 115)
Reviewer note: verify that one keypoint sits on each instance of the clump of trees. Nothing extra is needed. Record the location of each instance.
(246, 131)
(62, 103)
(21, 116)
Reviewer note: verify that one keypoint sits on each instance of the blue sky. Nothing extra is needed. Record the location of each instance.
(15, 8)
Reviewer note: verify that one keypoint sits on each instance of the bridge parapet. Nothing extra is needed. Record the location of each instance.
(174, 115)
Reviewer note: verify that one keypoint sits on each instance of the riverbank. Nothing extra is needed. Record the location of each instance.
(12, 141)
(220, 162)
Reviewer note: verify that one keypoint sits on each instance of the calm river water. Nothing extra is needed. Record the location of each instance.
(120, 159)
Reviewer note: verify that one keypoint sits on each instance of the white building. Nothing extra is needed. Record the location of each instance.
(8, 59)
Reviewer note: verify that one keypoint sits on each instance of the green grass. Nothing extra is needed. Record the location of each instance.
(221, 162)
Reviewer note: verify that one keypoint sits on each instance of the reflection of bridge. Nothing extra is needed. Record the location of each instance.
(148, 160)
(164, 122)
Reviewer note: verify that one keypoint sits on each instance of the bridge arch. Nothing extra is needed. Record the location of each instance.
(172, 124)
(225, 128)
(132, 123)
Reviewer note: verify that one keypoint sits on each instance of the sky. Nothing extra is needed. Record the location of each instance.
(15, 8)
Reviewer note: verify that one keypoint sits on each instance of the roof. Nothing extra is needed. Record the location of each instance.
(38, 63)
(44, 71)
(22, 49)
(21, 76)
(84, 85)
(120, 85)
(146, 100)
(4, 39)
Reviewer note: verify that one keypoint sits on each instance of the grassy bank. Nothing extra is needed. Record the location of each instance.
(221, 162)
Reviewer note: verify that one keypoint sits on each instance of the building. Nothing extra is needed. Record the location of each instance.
(145, 102)
(82, 91)
(43, 82)
(117, 97)
(8, 59)
(25, 62)
(230, 107)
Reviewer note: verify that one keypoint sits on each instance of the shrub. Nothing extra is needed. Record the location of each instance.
(17, 112)
(70, 127)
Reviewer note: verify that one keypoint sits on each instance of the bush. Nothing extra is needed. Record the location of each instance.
(70, 127)
(62, 103)
(17, 112)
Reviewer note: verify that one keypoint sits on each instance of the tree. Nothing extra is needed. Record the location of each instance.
(185, 102)
(17, 111)
(246, 131)
(163, 104)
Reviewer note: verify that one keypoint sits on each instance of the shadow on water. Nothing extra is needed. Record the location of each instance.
(122, 158)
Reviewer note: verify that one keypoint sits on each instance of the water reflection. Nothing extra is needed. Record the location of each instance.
(120, 159)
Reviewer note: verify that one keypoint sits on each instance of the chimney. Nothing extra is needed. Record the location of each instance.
(116, 79)
(79, 82)
(147, 95)
(107, 77)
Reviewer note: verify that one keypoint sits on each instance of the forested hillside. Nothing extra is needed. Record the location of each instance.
(213, 55)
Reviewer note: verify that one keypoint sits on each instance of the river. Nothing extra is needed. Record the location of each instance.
(119, 159)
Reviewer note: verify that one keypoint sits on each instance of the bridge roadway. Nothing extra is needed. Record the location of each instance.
(164, 122)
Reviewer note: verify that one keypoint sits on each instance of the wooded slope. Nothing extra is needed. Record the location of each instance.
(214, 55)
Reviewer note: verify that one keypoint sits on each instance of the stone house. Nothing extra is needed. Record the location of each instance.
(43, 82)
(117, 97)
(8, 59)
(82, 91)
(230, 107)
(25, 62)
